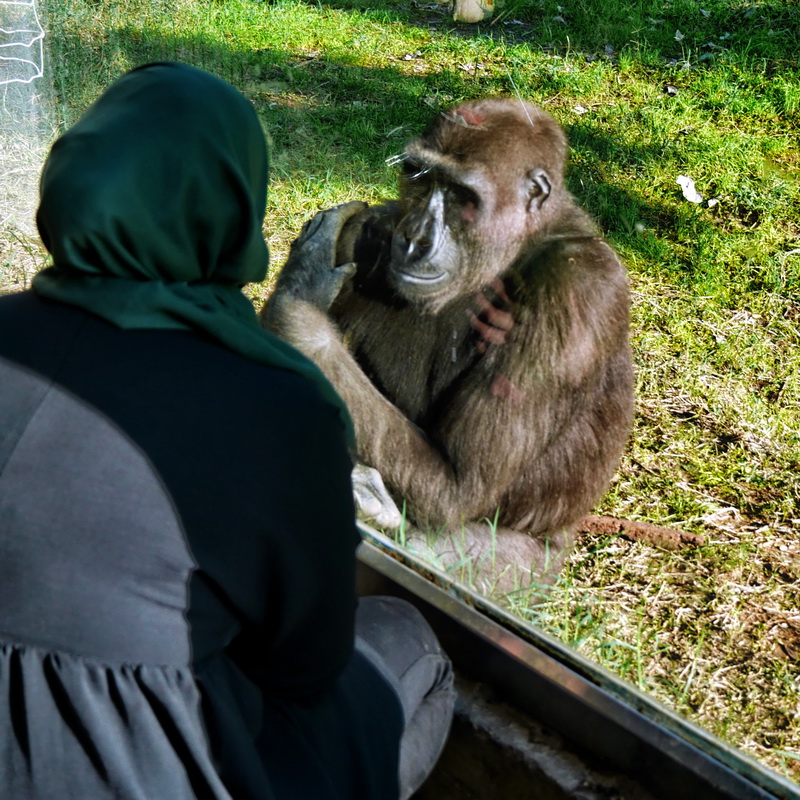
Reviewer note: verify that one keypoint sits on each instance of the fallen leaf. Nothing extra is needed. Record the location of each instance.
(689, 191)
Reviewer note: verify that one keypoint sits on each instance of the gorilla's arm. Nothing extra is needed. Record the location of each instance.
(297, 312)
(386, 439)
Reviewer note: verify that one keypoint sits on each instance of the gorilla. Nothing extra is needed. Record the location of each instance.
(477, 329)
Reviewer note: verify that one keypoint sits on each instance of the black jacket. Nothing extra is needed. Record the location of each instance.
(176, 574)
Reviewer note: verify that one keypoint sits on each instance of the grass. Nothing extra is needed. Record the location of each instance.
(647, 90)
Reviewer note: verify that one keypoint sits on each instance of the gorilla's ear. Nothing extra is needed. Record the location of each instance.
(539, 188)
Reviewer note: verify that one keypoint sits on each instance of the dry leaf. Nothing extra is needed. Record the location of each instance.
(689, 191)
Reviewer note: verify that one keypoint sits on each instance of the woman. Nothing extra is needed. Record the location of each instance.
(177, 536)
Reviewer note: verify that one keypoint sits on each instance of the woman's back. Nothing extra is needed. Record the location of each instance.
(150, 511)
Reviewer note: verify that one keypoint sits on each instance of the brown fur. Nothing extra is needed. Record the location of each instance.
(474, 395)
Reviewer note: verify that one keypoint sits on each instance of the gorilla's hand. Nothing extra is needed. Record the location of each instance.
(311, 273)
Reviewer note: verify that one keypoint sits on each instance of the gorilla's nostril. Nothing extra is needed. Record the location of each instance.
(417, 248)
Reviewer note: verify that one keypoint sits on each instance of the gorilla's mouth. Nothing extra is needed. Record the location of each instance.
(423, 280)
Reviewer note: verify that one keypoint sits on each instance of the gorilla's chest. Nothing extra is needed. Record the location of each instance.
(418, 361)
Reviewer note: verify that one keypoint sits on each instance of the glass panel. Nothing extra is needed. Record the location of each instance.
(713, 630)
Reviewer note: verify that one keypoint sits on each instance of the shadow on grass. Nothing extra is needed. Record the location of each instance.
(328, 118)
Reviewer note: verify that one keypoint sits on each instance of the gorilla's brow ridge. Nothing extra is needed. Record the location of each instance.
(457, 117)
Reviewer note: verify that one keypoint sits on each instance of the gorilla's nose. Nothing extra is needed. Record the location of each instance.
(410, 249)
(416, 236)
(418, 249)
(415, 241)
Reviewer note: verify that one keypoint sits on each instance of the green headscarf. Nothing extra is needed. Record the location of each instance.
(151, 206)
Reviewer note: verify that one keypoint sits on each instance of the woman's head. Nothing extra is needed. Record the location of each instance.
(151, 206)
(163, 178)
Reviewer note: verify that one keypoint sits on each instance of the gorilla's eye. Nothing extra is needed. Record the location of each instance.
(413, 169)
(463, 196)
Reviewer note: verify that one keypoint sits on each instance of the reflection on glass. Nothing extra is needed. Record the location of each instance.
(21, 37)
